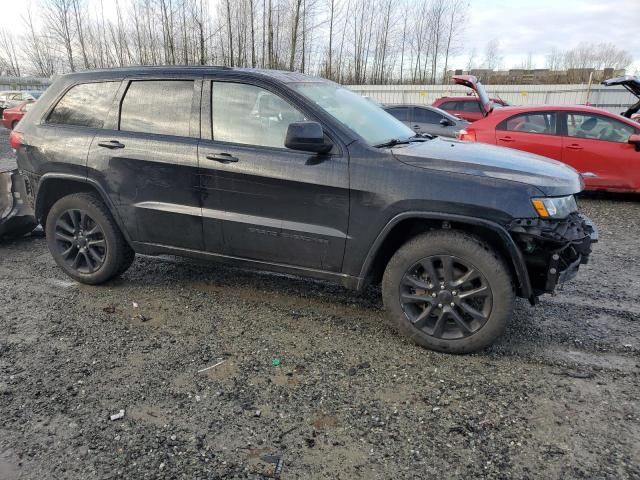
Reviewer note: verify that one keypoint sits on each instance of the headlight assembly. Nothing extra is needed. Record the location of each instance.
(555, 207)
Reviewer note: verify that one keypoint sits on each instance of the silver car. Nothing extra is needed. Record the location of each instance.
(427, 119)
(12, 98)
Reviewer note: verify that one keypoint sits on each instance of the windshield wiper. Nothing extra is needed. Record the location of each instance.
(421, 137)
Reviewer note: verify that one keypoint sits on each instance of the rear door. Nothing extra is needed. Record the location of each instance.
(148, 160)
(535, 132)
(428, 121)
(63, 137)
(273, 204)
(596, 146)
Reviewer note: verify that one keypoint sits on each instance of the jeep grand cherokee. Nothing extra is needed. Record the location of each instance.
(284, 172)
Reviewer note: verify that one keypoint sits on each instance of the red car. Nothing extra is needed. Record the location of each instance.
(468, 108)
(11, 116)
(602, 146)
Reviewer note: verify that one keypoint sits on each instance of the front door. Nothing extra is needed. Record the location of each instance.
(272, 204)
(148, 162)
(597, 147)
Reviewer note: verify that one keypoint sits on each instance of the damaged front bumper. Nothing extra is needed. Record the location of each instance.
(16, 213)
(553, 250)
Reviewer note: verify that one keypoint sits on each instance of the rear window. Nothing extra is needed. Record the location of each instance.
(157, 106)
(401, 113)
(85, 105)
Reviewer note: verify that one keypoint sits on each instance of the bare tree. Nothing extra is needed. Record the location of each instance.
(9, 60)
(492, 56)
(58, 15)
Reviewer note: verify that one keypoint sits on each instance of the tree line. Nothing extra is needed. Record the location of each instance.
(350, 41)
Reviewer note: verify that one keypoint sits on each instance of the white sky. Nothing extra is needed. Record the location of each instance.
(521, 26)
(535, 26)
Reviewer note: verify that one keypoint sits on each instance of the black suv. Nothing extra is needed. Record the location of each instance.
(284, 172)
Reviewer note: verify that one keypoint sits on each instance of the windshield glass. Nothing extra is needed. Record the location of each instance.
(357, 113)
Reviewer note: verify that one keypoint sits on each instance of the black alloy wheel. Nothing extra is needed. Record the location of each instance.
(80, 241)
(445, 297)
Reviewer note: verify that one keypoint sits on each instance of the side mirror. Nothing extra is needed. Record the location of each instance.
(635, 140)
(445, 122)
(307, 136)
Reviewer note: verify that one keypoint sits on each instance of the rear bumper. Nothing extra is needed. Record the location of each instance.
(16, 214)
(554, 250)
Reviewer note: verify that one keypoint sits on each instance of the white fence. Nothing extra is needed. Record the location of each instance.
(613, 99)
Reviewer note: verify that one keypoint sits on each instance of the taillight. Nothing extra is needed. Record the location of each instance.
(467, 134)
(15, 139)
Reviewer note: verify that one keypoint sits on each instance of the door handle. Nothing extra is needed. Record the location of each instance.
(111, 144)
(505, 139)
(222, 157)
(416, 127)
(574, 146)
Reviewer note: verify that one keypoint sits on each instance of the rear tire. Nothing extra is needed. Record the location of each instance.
(85, 240)
(448, 291)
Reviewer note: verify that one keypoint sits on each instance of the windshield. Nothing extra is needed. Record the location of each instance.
(357, 113)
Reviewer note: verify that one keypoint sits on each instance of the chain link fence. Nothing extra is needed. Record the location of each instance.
(613, 99)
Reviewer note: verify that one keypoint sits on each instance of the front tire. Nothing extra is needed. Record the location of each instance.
(448, 291)
(85, 241)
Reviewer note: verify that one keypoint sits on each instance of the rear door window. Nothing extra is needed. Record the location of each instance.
(450, 106)
(157, 106)
(424, 115)
(85, 105)
(596, 127)
(471, 106)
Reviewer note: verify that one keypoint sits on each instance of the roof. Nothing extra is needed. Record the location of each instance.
(545, 108)
(279, 75)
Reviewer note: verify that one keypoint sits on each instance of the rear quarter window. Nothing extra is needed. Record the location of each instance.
(84, 105)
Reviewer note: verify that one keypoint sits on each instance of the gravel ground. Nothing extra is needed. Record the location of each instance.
(556, 397)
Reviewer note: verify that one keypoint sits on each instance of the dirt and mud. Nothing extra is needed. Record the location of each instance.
(309, 372)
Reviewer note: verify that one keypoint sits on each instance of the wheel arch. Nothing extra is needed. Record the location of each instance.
(53, 187)
(409, 224)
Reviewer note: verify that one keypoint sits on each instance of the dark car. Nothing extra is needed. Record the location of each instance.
(427, 119)
(632, 85)
(285, 172)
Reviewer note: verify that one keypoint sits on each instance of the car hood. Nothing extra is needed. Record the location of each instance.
(552, 178)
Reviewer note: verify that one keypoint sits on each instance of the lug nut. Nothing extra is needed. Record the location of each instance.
(553, 271)
(454, 293)
(453, 304)
(433, 294)
(439, 305)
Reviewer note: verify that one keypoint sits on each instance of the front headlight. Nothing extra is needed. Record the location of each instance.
(555, 207)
